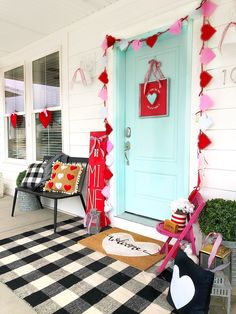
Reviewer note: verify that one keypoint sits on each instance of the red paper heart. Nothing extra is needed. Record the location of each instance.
(50, 184)
(107, 174)
(13, 119)
(45, 118)
(53, 175)
(110, 40)
(205, 78)
(103, 77)
(73, 167)
(67, 187)
(150, 41)
(203, 141)
(70, 176)
(108, 128)
(207, 31)
(55, 167)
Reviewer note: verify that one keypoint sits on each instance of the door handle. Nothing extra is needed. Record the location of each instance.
(126, 149)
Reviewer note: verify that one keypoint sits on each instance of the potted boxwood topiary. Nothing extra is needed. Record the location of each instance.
(219, 215)
(26, 201)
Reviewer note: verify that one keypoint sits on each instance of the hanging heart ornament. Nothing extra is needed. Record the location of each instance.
(207, 31)
(13, 119)
(45, 118)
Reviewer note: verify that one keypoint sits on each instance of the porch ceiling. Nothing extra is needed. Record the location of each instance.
(25, 21)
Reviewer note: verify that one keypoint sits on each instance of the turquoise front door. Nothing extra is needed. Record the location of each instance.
(156, 162)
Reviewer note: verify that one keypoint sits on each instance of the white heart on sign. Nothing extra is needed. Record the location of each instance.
(178, 285)
(124, 244)
(63, 167)
(205, 122)
(58, 185)
(60, 175)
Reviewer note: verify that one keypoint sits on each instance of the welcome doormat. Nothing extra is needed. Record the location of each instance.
(129, 247)
(54, 274)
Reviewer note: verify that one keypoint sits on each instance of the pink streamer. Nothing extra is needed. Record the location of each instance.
(154, 68)
(224, 33)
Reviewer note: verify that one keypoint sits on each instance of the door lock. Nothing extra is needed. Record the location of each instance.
(126, 149)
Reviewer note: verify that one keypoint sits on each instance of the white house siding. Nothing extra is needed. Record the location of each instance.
(80, 43)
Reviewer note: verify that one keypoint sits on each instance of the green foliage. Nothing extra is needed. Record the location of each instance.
(219, 215)
(20, 178)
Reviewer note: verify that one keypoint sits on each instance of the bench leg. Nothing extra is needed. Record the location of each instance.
(55, 215)
(40, 203)
(14, 203)
(82, 201)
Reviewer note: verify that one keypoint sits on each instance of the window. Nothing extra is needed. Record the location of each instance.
(46, 94)
(14, 102)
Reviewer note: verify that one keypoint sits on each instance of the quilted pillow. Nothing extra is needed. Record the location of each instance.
(64, 178)
(33, 175)
(190, 286)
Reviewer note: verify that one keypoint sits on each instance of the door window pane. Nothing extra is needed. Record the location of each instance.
(46, 82)
(17, 139)
(48, 140)
(14, 90)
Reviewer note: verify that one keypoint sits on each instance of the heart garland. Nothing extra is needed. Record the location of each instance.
(206, 8)
(206, 56)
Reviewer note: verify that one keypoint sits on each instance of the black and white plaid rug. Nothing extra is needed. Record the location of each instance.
(54, 274)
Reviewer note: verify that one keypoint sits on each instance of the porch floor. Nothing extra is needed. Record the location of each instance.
(25, 221)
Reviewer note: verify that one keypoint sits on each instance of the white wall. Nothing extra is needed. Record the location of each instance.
(81, 43)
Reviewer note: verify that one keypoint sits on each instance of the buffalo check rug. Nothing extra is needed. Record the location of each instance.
(54, 274)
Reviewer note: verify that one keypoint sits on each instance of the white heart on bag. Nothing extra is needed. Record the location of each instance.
(60, 175)
(58, 185)
(63, 167)
(178, 285)
(125, 245)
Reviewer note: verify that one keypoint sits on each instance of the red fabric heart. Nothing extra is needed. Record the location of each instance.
(107, 174)
(203, 141)
(110, 40)
(70, 176)
(53, 175)
(108, 128)
(13, 119)
(73, 167)
(150, 41)
(205, 78)
(207, 31)
(67, 187)
(192, 195)
(45, 119)
(103, 77)
(50, 184)
(55, 167)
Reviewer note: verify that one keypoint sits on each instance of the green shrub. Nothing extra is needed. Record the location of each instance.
(20, 178)
(219, 215)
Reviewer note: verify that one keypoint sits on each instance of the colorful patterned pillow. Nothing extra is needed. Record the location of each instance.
(64, 178)
(33, 175)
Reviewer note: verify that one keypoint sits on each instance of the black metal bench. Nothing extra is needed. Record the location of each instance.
(57, 196)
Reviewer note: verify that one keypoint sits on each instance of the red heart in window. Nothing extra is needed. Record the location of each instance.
(73, 167)
(67, 187)
(70, 176)
(50, 184)
(55, 166)
(207, 31)
(45, 118)
(103, 77)
(110, 40)
(205, 78)
(53, 175)
(150, 41)
(107, 174)
(13, 119)
(203, 141)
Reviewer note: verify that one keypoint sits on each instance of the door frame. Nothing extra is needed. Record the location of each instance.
(119, 115)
